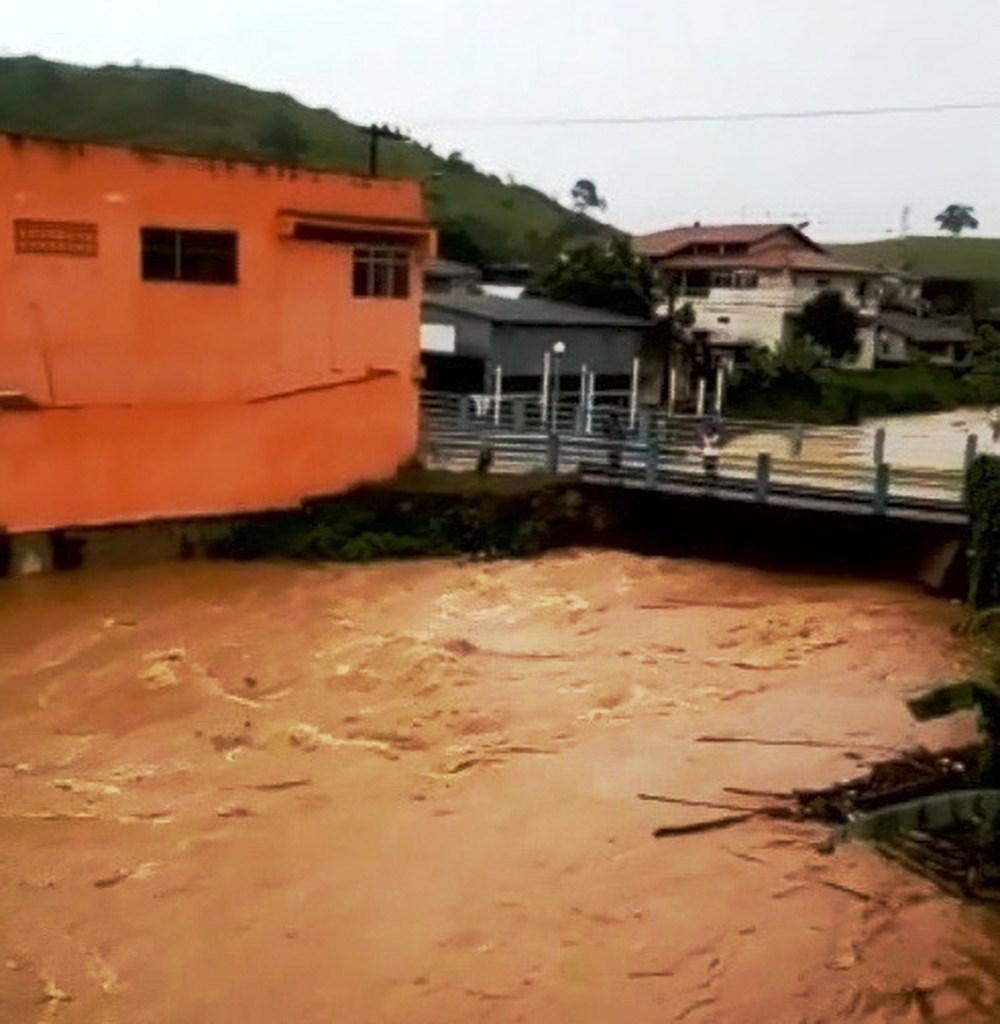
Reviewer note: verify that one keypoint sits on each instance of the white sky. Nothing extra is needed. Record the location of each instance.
(422, 62)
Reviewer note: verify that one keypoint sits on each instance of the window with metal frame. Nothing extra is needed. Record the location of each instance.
(381, 273)
(196, 257)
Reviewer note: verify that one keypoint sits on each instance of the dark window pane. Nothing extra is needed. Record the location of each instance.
(201, 257)
(361, 267)
(381, 285)
(382, 273)
(159, 254)
(401, 278)
(208, 257)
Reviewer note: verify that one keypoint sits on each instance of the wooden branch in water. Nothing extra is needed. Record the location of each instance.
(770, 793)
(695, 803)
(666, 831)
(823, 744)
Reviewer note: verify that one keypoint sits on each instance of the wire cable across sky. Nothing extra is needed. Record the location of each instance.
(649, 119)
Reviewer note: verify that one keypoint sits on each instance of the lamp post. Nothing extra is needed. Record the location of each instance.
(558, 351)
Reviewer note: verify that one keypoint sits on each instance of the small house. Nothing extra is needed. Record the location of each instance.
(466, 337)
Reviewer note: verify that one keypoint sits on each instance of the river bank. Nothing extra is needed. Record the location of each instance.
(407, 792)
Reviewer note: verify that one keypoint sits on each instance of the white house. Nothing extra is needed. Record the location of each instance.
(747, 283)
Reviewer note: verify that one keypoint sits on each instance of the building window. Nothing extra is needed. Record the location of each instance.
(55, 238)
(745, 279)
(722, 279)
(381, 273)
(199, 257)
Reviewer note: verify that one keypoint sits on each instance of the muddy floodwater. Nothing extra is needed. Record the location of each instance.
(408, 793)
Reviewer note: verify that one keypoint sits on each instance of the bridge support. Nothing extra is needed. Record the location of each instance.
(652, 462)
(30, 553)
(763, 486)
(520, 418)
(971, 447)
(880, 499)
(878, 456)
(553, 453)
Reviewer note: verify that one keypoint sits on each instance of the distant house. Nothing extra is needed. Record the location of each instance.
(902, 337)
(466, 336)
(442, 276)
(747, 283)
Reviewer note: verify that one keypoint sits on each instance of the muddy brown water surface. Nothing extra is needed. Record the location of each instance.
(408, 793)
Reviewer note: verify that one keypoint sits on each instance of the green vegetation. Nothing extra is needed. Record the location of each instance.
(793, 385)
(983, 380)
(983, 498)
(418, 515)
(966, 259)
(604, 276)
(927, 256)
(831, 323)
(481, 218)
(956, 217)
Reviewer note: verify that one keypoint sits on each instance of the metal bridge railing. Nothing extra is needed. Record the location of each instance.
(659, 452)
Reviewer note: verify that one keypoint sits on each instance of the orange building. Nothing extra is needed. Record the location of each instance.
(184, 336)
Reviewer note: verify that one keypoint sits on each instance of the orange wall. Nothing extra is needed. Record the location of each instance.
(153, 408)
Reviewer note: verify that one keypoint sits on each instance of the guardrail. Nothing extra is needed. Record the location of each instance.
(663, 453)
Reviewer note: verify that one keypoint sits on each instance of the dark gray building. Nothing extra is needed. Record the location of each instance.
(443, 276)
(465, 336)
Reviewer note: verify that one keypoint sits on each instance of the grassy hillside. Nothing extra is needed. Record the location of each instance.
(968, 259)
(929, 256)
(481, 218)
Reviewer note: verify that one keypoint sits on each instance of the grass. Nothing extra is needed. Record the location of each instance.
(833, 396)
(482, 218)
(976, 260)
(928, 255)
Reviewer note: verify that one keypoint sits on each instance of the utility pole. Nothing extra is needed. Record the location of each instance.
(375, 133)
(904, 222)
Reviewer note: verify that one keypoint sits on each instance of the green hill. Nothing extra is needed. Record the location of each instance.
(481, 218)
(971, 259)
(976, 260)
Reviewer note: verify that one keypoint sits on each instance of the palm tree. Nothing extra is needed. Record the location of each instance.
(955, 217)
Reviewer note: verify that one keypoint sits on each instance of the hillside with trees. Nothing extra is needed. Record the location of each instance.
(482, 219)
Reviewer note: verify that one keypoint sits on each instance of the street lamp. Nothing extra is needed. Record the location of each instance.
(558, 351)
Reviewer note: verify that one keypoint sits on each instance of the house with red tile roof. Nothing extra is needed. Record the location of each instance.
(747, 283)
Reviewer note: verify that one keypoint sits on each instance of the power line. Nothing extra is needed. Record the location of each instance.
(646, 119)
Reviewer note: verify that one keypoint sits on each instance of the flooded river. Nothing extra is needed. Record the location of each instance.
(920, 441)
(408, 793)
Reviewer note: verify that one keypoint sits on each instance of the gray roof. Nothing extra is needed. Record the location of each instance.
(451, 268)
(923, 328)
(530, 311)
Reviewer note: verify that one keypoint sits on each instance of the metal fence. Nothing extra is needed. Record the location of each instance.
(761, 461)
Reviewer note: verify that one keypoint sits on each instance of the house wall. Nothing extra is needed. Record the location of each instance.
(764, 315)
(159, 399)
(473, 334)
(521, 349)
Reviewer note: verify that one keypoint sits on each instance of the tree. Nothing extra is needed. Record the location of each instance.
(585, 197)
(281, 138)
(831, 323)
(604, 276)
(983, 379)
(956, 217)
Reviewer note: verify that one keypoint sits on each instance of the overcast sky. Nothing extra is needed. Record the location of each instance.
(423, 63)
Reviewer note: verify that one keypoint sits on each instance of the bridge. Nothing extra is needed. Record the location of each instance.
(824, 469)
